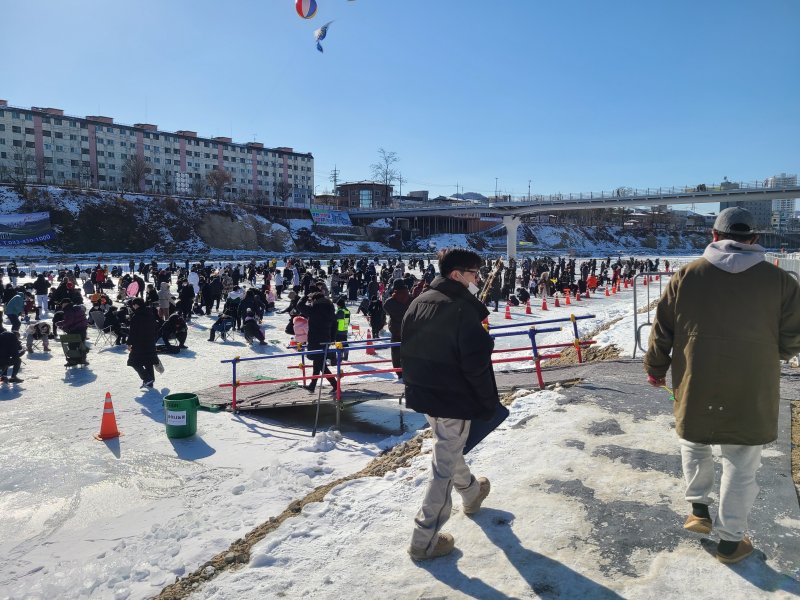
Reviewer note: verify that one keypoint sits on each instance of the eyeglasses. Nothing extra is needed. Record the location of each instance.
(473, 271)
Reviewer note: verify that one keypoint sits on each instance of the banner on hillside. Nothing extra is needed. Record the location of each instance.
(329, 216)
(27, 228)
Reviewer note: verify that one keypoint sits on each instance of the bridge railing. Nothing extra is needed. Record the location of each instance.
(622, 192)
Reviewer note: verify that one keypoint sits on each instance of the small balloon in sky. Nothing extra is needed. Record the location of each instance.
(306, 8)
(320, 34)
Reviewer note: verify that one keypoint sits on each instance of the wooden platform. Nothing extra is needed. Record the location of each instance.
(274, 395)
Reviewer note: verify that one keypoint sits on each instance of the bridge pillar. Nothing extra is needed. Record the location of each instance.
(512, 223)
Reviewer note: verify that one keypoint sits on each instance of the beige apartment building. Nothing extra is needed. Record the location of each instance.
(45, 146)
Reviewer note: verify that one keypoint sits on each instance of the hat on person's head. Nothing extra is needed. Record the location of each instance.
(735, 220)
(399, 284)
(341, 301)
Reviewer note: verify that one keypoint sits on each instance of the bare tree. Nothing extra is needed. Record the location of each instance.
(198, 187)
(384, 170)
(217, 179)
(283, 191)
(21, 168)
(167, 182)
(134, 170)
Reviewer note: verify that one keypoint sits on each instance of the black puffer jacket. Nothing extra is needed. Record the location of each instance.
(321, 321)
(447, 354)
(142, 338)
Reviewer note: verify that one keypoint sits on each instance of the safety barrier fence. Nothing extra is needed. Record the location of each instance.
(338, 349)
(790, 264)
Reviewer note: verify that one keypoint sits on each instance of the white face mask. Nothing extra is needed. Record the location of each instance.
(473, 289)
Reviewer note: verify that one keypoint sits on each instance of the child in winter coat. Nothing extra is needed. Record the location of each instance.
(300, 324)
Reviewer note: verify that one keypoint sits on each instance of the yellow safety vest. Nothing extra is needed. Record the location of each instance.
(343, 323)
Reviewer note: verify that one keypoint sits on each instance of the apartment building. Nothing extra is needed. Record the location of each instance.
(45, 146)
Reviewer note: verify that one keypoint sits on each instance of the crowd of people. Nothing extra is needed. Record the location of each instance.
(148, 306)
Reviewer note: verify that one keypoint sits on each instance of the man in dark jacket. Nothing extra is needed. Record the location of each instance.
(142, 342)
(10, 353)
(396, 307)
(318, 309)
(448, 376)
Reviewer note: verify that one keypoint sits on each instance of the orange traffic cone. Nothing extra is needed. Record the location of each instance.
(645, 279)
(528, 310)
(370, 349)
(567, 295)
(108, 425)
(607, 292)
(587, 294)
(577, 296)
(613, 289)
(658, 277)
(544, 303)
(556, 301)
(508, 311)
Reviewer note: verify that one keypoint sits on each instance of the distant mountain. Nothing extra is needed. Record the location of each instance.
(470, 196)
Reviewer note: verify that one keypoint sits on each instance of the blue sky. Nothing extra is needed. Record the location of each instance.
(574, 95)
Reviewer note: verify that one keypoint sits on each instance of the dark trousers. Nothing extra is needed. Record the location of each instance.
(15, 364)
(180, 337)
(145, 372)
(319, 368)
(14, 320)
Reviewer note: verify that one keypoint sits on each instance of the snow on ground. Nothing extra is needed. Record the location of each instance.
(86, 519)
(526, 542)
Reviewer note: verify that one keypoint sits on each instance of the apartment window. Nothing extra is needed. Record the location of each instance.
(84, 138)
(2, 141)
(59, 148)
(29, 117)
(48, 146)
(146, 135)
(110, 129)
(84, 151)
(75, 163)
(2, 155)
(112, 168)
(206, 155)
(2, 127)
(123, 144)
(100, 141)
(29, 130)
(147, 147)
(14, 114)
(59, 161)
(123, 156)
(157, 160)
(59, 135)
(16, 129)
(110, 155)
(30, 145)
(197, 155)
(73, 150)
(109, 142)
(167, 150)
(102, 165)
(73, 137)
(100, 153)
(57, 122)
(168, 161)
(45, 133)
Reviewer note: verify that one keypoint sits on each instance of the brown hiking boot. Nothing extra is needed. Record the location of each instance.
(697, 524)
(444, 545)
(743, 550)
(485, 487)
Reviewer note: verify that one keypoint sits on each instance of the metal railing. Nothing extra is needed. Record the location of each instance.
(648, 282)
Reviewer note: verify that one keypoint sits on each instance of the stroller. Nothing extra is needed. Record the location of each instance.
(74, 349)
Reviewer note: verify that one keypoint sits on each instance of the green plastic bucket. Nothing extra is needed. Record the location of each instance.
(180, 415)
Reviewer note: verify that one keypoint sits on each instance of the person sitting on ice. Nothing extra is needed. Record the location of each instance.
(74, 319)
(223, 324)
(10, 353)
(36, 332)
(251, 328)
(174, 327)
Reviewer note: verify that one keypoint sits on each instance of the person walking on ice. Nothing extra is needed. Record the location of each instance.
(723, 323)
(447, 369)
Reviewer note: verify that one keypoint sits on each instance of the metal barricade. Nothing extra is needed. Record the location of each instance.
(648, 281)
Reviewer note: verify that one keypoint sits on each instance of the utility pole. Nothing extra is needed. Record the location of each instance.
(495, 188)
(334, 178)
(529, 190)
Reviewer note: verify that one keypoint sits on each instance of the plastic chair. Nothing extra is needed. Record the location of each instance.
(74, 349)
(355, 332)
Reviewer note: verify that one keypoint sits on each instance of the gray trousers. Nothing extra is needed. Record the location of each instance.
(738, 488)
(448, 469)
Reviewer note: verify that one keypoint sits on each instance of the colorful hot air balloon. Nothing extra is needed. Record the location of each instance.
(306, 8)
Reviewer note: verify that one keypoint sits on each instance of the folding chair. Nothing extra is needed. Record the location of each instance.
(98, 319)
(74, 349)
(355, 332)
(228, 330)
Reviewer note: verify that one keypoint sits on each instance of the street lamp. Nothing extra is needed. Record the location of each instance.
(495, 188)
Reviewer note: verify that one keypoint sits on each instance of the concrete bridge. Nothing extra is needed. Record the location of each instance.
(513, 211)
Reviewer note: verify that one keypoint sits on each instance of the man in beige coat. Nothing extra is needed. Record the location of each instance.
(727, 319)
